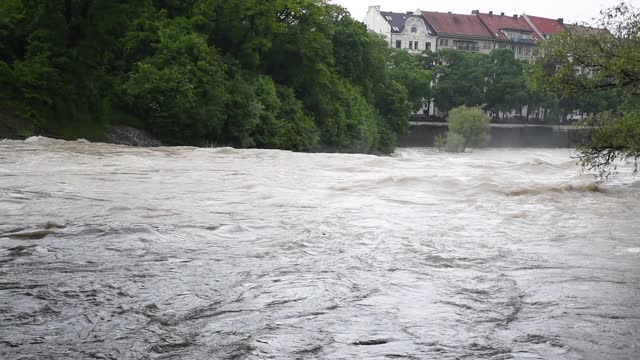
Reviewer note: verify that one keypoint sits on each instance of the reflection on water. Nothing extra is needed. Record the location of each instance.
(120, 253)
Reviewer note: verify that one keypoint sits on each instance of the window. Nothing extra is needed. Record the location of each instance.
(410, 45)
(414, 30)
(503, 46)
(444, 42)
(416, 46)
(395, 28)
(518, 36)
(466, 45)
(487, 45)
(388, 17)
(427, 46)
(398, 44)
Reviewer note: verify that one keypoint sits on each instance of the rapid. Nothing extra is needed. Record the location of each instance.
(111, 252)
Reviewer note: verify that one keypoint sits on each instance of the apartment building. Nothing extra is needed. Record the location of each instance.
(511, 32)
(401, 30)
(479, 32)
(460, 32)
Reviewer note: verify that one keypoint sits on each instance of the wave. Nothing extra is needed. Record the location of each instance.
(583, 188)
(540, 165)
(37, 139)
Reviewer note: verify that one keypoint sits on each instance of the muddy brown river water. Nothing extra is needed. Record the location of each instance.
(110, 252)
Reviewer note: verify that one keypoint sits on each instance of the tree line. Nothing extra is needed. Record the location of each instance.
(500, 84)
(601, 66)
(288, 74)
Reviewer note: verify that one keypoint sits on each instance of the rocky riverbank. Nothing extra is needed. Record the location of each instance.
(15, 127)
(126, 135)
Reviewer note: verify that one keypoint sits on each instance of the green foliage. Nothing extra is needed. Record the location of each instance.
(601, 75)
(506, 89)
(180, 90)
(614, 137)
(440, 141)
(290, 74)
(461, 79)
(291, 129)
(407, 71)
(472, 124)
(455, 143)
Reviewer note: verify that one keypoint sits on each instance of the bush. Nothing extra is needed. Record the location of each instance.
(472, 124)
(455, 143)
(440, 141)
(180, 90)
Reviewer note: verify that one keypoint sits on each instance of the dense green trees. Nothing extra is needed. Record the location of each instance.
(461, 79)
(499, 83)
(290, 74)
(600, 70)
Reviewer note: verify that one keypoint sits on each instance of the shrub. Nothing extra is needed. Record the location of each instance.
(455, 143)
(472, 124)
(440, 141)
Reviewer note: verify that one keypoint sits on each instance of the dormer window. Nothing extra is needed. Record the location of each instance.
(395, 28)
(414, 30)
(388, 17)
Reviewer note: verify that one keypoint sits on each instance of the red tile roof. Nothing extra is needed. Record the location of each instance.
(456, 24)
(546, 26)
(495, 23)
(587, 30)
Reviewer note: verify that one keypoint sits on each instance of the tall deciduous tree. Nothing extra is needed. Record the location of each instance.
(601, 69)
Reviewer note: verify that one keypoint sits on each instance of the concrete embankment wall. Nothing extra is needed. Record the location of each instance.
(521, 136)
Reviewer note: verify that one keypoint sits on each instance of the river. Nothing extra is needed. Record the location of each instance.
(111, 252)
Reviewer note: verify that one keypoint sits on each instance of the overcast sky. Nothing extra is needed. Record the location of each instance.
(570, 10)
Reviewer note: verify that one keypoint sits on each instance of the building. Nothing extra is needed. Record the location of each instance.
(479, 32)
(544, 27)
(416, 36)
(460, 32)
(511, 32)
(401, 30)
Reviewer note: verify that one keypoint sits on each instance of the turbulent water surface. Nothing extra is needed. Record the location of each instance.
(181, 253)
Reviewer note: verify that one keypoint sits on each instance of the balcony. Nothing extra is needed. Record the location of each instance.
(523, 41)
(467, 48)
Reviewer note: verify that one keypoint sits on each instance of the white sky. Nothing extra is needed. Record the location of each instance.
(570, 10)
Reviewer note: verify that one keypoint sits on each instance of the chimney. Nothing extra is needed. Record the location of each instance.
(490, 12)
(409, 12)
(448, 12)
(561, 20)
(515, 16)
(375, 7)
(475, 12)
(501, 14)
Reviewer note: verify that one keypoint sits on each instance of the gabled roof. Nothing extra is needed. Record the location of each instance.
(587, 30)
(395, 20)
(495, 23)
(456, 24)
(547, 26)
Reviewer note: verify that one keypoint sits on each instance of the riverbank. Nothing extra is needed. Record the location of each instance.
(502, 135)
(15, 127)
